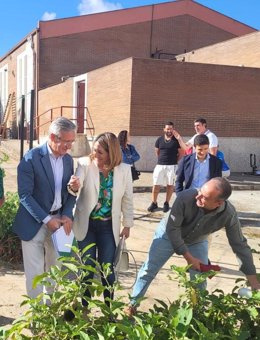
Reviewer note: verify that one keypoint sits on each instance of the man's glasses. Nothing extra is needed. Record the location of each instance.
(65, 142)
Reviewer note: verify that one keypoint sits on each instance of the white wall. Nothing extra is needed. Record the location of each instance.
(236, 150)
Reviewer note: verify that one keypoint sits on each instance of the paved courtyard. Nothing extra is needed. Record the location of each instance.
(247, 202)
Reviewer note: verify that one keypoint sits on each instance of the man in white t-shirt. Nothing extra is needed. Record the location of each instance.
(200, 126)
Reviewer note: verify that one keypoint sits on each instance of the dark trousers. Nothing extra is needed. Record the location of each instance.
(101, 234)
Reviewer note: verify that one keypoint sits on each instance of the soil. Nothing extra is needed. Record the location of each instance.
(247, 203)
(12, 282)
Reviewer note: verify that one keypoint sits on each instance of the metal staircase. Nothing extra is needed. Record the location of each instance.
(9, 109)
(85, 127)
(43, 120)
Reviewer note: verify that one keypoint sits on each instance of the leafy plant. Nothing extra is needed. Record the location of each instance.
(4, 157)
(10, 244)
(49, 320)
(219, 315)
(195, 315)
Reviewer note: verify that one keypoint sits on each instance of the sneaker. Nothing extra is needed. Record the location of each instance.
(152, 207)
(166, 206)
(130, 311)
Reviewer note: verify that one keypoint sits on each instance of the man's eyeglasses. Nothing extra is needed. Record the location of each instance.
(65, 142)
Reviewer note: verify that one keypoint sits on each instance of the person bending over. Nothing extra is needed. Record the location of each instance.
(195, 214)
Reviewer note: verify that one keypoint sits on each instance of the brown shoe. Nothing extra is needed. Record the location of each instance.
(130, 311)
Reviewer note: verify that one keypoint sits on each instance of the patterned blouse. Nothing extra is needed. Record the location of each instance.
(102, 210)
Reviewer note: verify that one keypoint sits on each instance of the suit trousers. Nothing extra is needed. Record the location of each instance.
(38, 256)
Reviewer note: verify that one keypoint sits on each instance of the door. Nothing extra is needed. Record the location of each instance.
(80, 106)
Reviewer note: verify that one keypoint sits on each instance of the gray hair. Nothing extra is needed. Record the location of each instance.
(224, 187)
(61, 124)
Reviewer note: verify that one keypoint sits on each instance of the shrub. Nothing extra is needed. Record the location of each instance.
(194, 315)
(10, 244)
(3, 157)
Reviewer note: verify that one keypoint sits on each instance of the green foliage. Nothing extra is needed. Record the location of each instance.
(47, 320)
(195, 315)
(10, 245)
(4, 157)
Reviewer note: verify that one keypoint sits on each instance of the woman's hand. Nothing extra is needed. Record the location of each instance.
(74, 183)
(125, 232)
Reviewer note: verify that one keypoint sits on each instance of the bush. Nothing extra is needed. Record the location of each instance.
(194, 315)
(10, 244)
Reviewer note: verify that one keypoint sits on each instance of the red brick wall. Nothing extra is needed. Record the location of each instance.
(109, 96)
(228, 97)
(243, 50)
(53, 98)
(82, 52)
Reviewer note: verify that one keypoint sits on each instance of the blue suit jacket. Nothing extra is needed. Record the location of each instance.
(36, 191)
(185, 170)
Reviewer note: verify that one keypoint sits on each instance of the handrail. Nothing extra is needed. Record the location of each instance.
(6, 114)
(88, 122)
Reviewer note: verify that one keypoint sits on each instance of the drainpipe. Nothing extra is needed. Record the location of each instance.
(36, 79)
(151, 32)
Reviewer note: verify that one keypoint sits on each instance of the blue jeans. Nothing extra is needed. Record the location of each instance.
(101, 234)
(160, 251)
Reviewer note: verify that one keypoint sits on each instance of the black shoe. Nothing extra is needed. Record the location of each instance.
(152, 207)
(166, 206)
(68, 315)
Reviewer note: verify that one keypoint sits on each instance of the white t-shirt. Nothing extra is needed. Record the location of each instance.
(213, 139)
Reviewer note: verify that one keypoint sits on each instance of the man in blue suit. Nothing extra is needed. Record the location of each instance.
(45, 203)
(196, 169)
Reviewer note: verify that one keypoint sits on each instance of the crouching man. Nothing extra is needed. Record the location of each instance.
(195, 215)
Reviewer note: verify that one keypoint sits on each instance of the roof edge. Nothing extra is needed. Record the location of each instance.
(91, 22)
(19, 44)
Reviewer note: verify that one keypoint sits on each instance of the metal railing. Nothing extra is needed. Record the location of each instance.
(45, 118)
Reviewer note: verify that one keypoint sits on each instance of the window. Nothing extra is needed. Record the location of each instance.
(25, 80)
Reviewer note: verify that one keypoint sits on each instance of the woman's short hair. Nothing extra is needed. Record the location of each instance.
(109, 142)
(122, 137)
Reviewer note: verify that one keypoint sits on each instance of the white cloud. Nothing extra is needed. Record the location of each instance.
(49, 16)
(96, 6)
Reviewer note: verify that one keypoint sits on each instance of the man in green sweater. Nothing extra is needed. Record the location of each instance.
(195, 215)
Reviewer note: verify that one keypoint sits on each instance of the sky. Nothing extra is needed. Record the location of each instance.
(19, 17)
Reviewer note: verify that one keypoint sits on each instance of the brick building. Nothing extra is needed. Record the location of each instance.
(241, 51)
(227, 96)
(122, 66)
